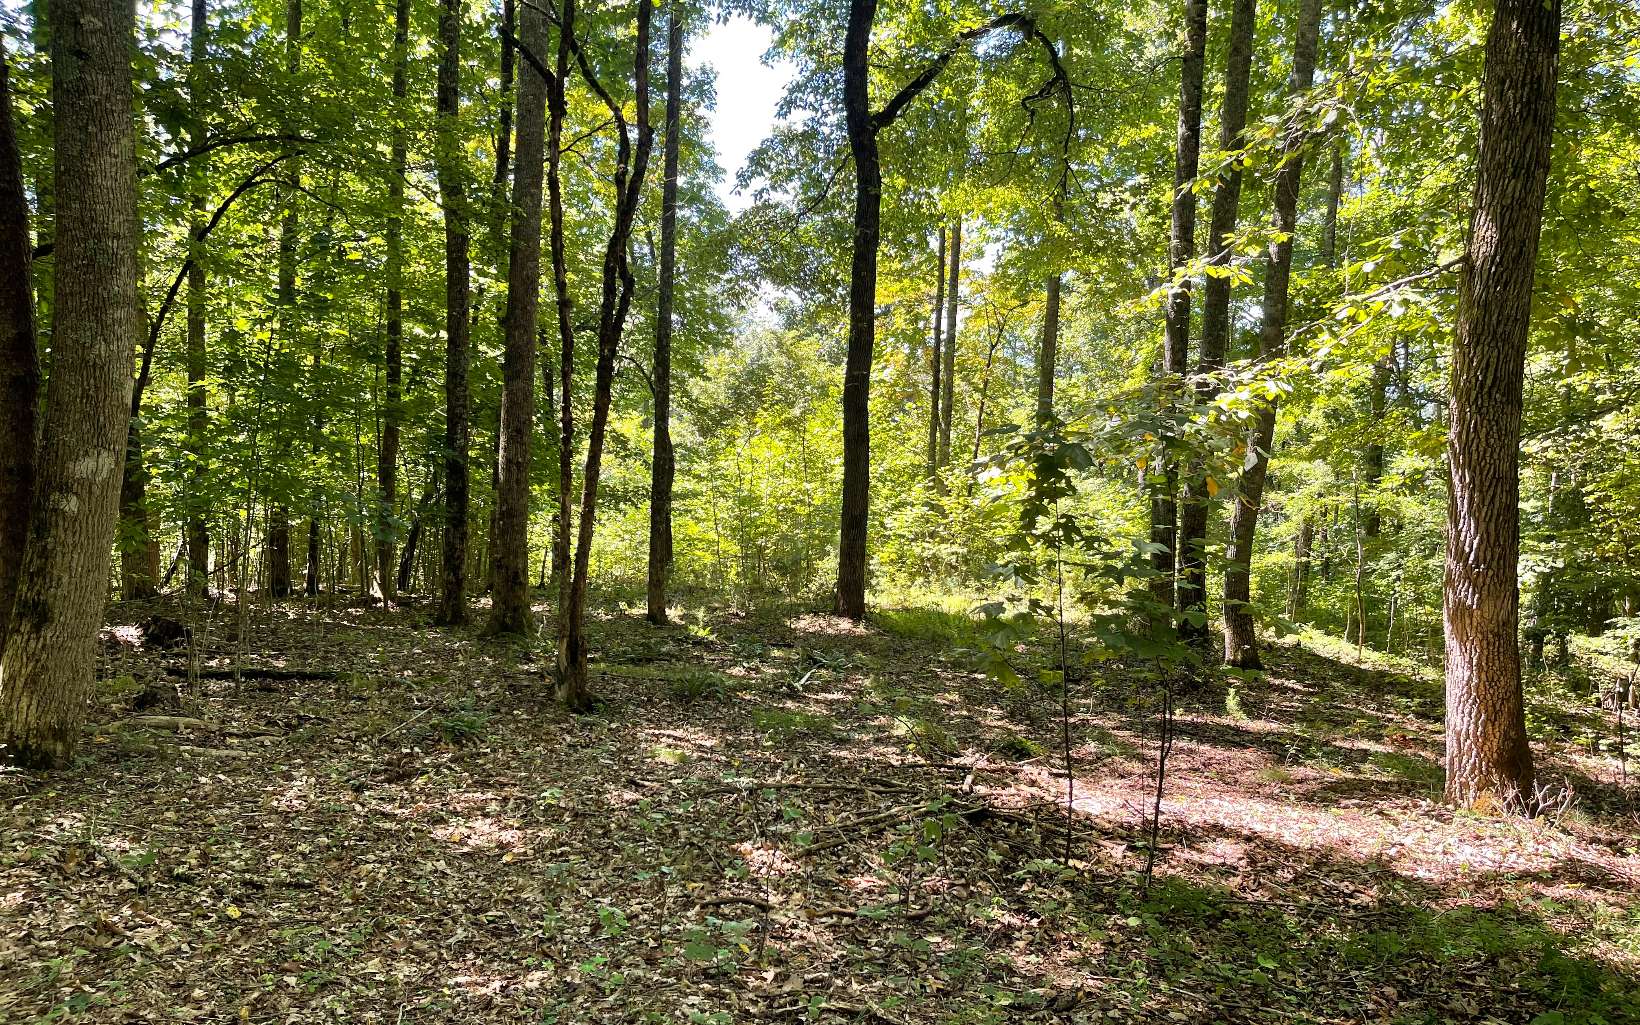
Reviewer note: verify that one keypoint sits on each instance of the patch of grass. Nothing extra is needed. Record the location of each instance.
(1421, 771)
(1018, 748)
(464, 724)
(930, 626)
(782, 724)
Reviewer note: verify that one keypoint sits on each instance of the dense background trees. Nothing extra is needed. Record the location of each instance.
(972, 232)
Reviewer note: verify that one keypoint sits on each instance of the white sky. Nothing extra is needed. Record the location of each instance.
(747, 92)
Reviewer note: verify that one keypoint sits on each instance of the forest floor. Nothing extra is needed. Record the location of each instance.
(779, 816)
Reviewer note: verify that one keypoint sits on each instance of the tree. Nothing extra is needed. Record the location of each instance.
(936, 361)
(1181, 252)
(663, 463)
(452, 608)
(1215, 334)
(198, 535)
(948, 378)
(387, 462)
(863, 127)
(615, 301)
(46, 669)
(1240, 636)
(510, 610)
(20, 379)
(1488, 757)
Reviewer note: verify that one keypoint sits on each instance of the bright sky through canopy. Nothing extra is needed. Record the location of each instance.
(747, 92)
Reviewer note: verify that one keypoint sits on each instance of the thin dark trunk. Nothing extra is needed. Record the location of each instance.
(1195, 495)
(279, 515)
(664, 465)
(1488, 757)
(948, 378)
(556, 106)
(631, 165)
(19, 360)
(1176, 338)
(862, 310)
(387, 462)
(195, 531)
(935, 363)
(452, 607)
(1240, 636)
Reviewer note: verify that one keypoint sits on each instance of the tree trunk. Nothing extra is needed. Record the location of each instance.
(279, 514)
(387, 461)
(935, 363)
(1176, 337)
(19, 360)
(452, 607)
(948, 382)
(1240, 636)
(862, 311)
(631, 165)
(1195, 500)
(1488, 758)
(195, 532)
(1047, 356)
(664, 467)
(557, 111)
(50, 654)
(510, 611)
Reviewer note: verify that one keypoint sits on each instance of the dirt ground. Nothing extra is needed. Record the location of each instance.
(779, 816)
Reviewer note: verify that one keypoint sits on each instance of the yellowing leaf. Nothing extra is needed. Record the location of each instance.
(233, 911)
(1212, 488)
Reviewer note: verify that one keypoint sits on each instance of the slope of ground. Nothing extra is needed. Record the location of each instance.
(778, 816)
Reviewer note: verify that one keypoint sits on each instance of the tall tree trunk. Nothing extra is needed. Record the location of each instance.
(1181, 251)
(50, 653)
(1194, 505)
(1047, 353)
(631, 165)
(556, 107)
(862, 311)
(195, 532)
(510, 601)
(1488, 758)
(936, 362)
(387, 457)
(279, 512)
(19, 359)
(664, 465)
(452, 608)
(1240, 636)
(953, 287)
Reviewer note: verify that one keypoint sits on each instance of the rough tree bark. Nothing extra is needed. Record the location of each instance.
(50, 653)
(510, 610)
(19, 359)
(631, 165)
(1488, 758)
(452, 607)
(1195, 501)
(1181, 251)
(387, 457)
(664, 466)
(1240, 636)
(1047, 354)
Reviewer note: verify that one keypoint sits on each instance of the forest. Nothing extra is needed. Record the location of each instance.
(1101, 512)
